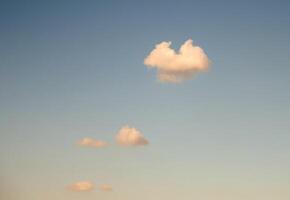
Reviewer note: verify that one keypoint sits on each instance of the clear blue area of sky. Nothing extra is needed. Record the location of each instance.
(73, 69)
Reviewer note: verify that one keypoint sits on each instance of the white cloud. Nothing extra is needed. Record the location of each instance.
(177, 67)
(128, 136)
(89, 142)
(106, 187)
(82, 186)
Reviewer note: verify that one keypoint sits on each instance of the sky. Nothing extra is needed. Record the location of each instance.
(75, 85)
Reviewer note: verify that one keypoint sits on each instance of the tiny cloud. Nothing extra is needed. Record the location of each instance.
(177, 67)
(82, 186)
(129, 136)
(106, 187)
(89, 142)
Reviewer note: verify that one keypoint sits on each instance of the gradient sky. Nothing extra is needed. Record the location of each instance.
(73, 69)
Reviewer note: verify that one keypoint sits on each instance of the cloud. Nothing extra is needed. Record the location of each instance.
(106, 187)
(89, 142)
(177, 67)
(82, 186)
(128, 136)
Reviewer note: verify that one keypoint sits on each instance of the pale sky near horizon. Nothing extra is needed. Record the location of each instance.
(74, 69)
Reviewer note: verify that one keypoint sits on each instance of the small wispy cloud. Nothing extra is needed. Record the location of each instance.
(177, 67)
(130, 136)
(82, 186)
(89, 142)
(106, 187)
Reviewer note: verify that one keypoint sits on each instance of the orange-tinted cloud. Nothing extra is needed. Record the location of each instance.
(89, 142)
(106, 187)
(82, 186)
(176, 67)
(129, 136)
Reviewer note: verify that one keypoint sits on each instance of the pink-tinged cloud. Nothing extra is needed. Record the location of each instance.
(82, 186)
(106, 187)
(177, 67)
(130, 136)
(89, 142)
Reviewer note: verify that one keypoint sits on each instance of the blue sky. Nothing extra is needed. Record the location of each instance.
(74, 69)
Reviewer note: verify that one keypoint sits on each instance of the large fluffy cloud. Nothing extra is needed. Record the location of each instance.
(129, 136)
(82, 186)
(89, 142)
(176, 67)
